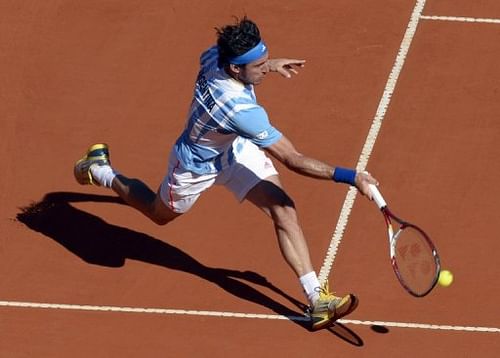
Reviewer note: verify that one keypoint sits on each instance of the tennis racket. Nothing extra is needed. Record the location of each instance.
(414, 257)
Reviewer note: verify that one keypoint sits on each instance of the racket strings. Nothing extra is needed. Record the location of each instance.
(416, 264)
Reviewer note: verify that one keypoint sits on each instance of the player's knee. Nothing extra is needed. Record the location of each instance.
(161, 214)
(283, 201)
(287, 212)
(284, 212)
(163, 217)
(161, 221)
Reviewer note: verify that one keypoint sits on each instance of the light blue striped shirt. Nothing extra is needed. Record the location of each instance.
(222, 109)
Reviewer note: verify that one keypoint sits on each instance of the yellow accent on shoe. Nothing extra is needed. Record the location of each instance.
(329, 308)
(97, 154)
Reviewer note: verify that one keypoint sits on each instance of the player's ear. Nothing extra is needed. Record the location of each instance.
(234, 68)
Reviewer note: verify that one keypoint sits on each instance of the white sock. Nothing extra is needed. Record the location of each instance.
(310, 284)
(103, 174)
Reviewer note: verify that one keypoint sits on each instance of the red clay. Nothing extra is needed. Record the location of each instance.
(76, 73)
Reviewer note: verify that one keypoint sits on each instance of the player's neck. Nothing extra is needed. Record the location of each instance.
(233, 77)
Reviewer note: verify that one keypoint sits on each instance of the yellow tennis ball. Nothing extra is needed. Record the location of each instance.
(445, 278)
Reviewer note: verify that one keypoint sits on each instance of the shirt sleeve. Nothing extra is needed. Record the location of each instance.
(253, 123)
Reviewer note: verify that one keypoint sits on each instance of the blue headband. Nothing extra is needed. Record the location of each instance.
(251, 55)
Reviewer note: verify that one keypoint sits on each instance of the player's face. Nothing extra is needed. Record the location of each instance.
(254, 72)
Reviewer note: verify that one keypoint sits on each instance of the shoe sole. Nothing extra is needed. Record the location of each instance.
(98, 150)
(353, 305)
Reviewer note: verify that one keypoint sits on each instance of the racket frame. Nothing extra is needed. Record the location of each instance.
(393, 237)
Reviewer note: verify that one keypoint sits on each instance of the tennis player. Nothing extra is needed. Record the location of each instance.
(226, 141)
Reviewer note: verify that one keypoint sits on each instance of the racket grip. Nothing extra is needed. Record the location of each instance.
(377, 197)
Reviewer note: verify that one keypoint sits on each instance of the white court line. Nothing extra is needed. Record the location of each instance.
(460, 19)
(236, 315)
(371, 138)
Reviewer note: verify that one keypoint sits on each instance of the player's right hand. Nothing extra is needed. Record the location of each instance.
(363, 180)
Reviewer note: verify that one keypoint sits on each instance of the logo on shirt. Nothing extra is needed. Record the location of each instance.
(262, 135)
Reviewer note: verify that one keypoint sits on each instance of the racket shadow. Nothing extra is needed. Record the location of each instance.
(346, 334)
(100, 243)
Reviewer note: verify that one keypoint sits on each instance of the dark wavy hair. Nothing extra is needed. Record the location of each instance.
(235, 40)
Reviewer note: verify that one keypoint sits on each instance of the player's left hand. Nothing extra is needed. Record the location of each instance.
(363, 180)
(285, 66)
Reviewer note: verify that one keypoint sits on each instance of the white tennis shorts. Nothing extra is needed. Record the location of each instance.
(181, 188)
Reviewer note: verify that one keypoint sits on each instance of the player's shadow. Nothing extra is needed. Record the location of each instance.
(98, 242)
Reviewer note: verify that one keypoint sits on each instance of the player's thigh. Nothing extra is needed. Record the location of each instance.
(248, 167)
(269, 196)
(181, 188)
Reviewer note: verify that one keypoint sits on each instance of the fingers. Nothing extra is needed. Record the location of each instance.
(367, 179)
(286, 69)
(370, 178)
(282, 71)
(297, 63)
(294, 62)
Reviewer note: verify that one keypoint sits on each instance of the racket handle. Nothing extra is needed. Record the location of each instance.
(377, 197)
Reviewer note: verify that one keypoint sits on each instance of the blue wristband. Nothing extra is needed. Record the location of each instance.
(344, 175)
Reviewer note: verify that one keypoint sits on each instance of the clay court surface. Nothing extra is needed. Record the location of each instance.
(85, 276)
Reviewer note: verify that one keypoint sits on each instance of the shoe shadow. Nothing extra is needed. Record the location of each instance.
(100, 243)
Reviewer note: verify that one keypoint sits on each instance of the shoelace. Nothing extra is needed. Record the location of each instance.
(324, 293)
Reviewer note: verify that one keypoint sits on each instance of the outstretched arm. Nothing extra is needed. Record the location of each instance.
(285, 66)
(285, 152)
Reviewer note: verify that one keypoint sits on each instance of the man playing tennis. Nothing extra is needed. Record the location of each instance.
(225, 142)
